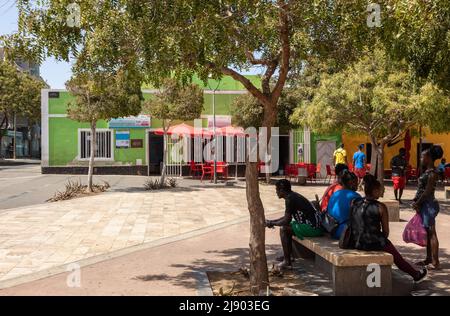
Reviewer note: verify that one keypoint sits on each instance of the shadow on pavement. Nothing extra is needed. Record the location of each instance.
(227, 260)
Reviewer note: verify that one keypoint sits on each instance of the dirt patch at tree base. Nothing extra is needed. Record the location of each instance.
(237, 283)
(74, 189)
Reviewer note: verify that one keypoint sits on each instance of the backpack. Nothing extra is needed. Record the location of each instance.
(346, 240)
(328, 222)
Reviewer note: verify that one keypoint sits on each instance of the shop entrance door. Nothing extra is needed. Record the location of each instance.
(155, 153)
(324, 154)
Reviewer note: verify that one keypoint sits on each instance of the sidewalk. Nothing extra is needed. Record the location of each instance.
(178, 268)
(19, 161)
(45, 236)
(167, 238)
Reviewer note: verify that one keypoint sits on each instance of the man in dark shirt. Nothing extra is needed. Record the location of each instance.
(306, 221)
(398, 166)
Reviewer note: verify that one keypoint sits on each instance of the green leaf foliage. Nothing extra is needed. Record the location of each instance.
(175, 101)
(19, 92)
(375, 96)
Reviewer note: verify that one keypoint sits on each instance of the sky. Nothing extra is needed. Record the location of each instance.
(54, 72)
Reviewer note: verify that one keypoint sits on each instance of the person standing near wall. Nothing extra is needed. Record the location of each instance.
(398, 167)
(359, 163)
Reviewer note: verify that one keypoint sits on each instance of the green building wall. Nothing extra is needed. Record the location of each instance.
(63, 132)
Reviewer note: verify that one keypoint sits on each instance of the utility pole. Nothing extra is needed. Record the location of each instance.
(214, 128)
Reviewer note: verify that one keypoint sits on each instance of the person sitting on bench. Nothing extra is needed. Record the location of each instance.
(370, 227)
(336, 186)
(340, 201)
(306, 221)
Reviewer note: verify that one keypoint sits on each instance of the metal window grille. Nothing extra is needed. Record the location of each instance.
(103, 148)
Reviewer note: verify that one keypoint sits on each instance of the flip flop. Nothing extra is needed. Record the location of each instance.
(434, 268)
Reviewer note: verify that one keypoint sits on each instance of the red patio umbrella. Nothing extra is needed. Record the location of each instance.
(184, 129)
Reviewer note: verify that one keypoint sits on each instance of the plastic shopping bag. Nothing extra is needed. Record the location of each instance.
(414, 231)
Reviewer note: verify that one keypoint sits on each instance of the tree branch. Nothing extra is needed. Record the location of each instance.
(271, 67)
(285, 49)
(242, 79)
(257, 61)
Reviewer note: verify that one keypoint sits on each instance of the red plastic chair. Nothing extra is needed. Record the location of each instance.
(292, 171)
(194, 169)
(311, 171)
(207, 170)
(447, 175)
(287, 171)
(222, 168)
(411, 174)
(330, 174)
(260, 165)
(318, 169)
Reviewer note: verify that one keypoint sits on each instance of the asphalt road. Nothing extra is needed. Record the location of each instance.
(24, 185)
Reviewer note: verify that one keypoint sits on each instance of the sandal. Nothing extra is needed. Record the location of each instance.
(435, 267)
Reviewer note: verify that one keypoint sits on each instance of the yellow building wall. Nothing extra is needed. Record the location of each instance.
(352, 141)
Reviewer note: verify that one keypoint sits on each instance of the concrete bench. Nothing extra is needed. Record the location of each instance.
(393, 207)
(447, 193)
(347, 269)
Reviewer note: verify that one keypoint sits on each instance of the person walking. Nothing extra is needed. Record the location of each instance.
(359, 164)
(398, 167)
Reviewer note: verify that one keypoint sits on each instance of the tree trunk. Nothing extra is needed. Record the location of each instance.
(92, 156)
(374, 159)
(259, 275)
(380, 164)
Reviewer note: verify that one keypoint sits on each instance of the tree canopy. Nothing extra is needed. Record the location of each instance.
(19, 92)
(103, 96)
(375, 97)
(174, 101)
(178, 38)
(419, 32)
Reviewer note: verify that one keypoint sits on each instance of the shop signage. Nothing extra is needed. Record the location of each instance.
(122, 139)
(137, 143)
(140, 121)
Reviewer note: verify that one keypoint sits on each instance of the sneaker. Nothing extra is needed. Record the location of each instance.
(284, 265)
(422, 276)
